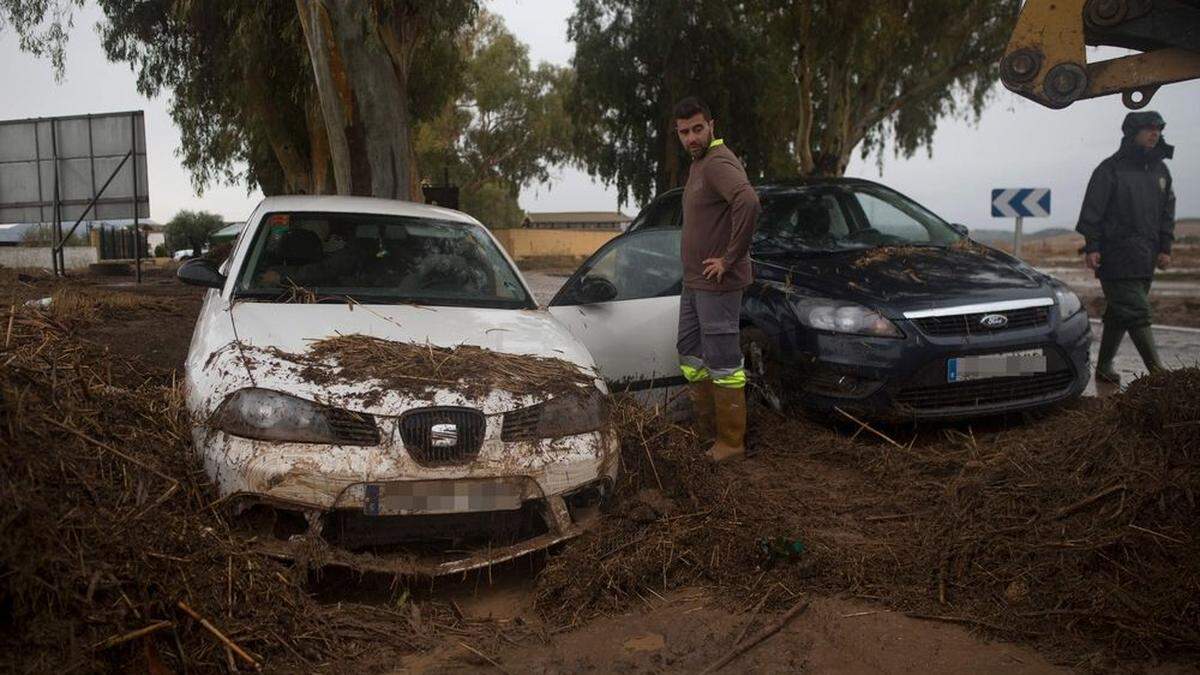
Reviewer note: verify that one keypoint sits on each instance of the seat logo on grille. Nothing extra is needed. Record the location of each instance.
(993, 321)
(444, 435)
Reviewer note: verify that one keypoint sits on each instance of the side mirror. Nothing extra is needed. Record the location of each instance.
(960, 228)
(596, 289)
(201, 272)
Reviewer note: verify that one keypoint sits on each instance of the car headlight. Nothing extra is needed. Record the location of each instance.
(577, 413)
(844, 317)
(274, 416)
(1069, 303)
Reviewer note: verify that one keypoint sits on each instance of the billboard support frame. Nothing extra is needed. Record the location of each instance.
(137, 230)
(77, 149)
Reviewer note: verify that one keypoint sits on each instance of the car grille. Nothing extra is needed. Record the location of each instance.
(521, 424)
(968, 324)
(426, 534)
(985, 392)
(351, 428)
(428, 448)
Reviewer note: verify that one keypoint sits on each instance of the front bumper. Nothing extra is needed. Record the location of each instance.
(905, 379)
(373, 508)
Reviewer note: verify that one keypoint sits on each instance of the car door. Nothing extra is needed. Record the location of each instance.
(623, 303)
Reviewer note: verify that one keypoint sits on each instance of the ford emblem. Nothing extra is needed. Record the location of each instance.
(993, 321)
(444, 435)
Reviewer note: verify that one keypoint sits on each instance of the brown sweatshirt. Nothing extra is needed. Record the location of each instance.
(720, 211)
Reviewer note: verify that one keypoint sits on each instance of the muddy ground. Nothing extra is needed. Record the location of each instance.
(684, 629)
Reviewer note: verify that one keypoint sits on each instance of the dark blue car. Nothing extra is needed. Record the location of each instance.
(862, 300)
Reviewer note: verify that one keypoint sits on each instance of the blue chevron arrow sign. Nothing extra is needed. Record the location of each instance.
(1021, 203)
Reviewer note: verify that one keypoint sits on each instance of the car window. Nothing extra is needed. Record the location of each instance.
(844, 217)
(663, 213)
(375, 258)
(888, 219)
(807, 220)
(643, 264)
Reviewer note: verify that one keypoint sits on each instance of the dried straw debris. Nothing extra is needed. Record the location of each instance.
(108, 532)
(1080, 531)
(413, 367)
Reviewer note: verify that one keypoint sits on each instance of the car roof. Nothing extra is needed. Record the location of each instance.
(367, 205)
(783, 184)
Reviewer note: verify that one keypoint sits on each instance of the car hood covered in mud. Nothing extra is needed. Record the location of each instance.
(268, 345)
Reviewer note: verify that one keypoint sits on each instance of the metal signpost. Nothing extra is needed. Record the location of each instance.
(1020, 203)
(50, 168)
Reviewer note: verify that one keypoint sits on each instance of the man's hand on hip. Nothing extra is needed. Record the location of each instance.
(714, 268)
(1164, 261)
(1092, 260)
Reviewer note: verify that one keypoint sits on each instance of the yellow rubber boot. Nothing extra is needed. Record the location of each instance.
(731, 425)
(702, 406)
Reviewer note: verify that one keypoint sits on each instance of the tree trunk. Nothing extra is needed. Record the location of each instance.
(672, 173)
(318, 150)
(333, 90)
(804, 81)
(360, 62)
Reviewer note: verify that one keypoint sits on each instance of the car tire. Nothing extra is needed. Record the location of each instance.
(764, 380)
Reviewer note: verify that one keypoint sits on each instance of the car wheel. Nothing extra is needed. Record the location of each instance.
(764, 382)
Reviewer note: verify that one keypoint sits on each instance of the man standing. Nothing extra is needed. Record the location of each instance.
(1128, 222)
(720, 210)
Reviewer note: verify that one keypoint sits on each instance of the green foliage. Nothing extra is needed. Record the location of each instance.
(795, 87)
(493, 203)
(41, 26)
(633, 60)
(239, 77)
(504, 129)
(161, 251)
(190, 229)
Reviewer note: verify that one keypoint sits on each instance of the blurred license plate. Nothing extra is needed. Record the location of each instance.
(1011, 364)
(440, 496)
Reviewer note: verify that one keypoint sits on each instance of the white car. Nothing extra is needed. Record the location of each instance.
(430, 480)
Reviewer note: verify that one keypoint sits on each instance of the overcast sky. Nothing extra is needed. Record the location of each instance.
(1016, 143)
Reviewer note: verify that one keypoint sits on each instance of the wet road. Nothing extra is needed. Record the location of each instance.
(1176, 347)
(1180, 283)
(545, 284)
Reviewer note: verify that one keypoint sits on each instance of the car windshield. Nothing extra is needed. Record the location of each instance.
(309, 257)
(845, 217)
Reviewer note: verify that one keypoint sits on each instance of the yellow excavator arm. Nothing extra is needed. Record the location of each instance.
(1046, 59)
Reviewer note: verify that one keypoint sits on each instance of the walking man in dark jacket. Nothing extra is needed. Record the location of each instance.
(1128, 222)
(720, 211)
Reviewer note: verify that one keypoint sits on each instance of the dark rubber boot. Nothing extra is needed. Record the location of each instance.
(1143, 339)
(1110, 340)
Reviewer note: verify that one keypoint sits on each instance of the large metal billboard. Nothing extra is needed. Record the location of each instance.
(53, 168)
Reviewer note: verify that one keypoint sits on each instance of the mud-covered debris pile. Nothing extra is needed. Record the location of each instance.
(1085, 523)
(108, 526)
(676, 522)
(413, 367)
(1080, 530)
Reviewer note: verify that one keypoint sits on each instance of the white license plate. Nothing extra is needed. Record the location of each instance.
(441, 496)
(1011, 364)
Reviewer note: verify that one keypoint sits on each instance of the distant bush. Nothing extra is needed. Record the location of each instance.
(161, 251)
